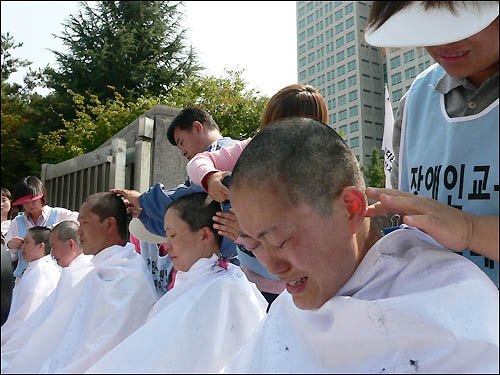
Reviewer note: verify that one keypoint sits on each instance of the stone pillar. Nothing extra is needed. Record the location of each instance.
(142, 172)
(118, 160)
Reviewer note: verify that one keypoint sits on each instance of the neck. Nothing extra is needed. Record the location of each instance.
(367, 236)
(5, 216)
(212, 136)
(479, 78)
(35, 216)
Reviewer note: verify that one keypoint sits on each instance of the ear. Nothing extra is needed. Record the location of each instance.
(198, 127)
(355, 207)
(71, 244)
(110, 225)
(207, 235)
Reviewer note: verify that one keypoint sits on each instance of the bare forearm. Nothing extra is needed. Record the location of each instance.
(484, 239)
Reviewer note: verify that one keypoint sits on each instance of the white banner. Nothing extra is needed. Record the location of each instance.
(387, 140)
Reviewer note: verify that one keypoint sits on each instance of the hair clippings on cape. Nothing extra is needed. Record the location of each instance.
(223, 261)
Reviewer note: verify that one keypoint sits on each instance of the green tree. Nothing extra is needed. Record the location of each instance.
(138, 47)
(18, 150)
(374, 174)
(234, 107)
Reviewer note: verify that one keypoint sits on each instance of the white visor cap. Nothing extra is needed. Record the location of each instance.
(139, 231)
(416, 27)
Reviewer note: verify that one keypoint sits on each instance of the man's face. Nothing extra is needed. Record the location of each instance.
(92, 231)
(184, 246)
(312, 253)
(190, 142)
(32, 251)
(61, 250)
(471, 57)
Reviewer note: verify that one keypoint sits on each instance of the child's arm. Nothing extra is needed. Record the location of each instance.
(205, 163)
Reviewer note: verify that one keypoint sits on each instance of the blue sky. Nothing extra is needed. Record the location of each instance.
(259, 37)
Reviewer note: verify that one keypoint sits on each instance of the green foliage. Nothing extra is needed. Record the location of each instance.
(19, 154)
(138, 47)
(375, 172)
(236, 109)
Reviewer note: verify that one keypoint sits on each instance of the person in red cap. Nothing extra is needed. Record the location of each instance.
(445, 136)
(30, 193)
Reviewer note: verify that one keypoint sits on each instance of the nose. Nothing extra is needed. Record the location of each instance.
(168, 246)
(273, 260)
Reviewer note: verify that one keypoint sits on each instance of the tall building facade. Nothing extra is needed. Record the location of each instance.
(403, 65)
(332, 56)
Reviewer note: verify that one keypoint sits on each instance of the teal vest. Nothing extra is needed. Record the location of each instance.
(453, 160)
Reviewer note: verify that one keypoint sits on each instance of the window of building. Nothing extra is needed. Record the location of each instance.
(312, 82)
(302, 49)
(310, 31)
(339, 42)
(302, 62)
(349, 22)
(353, 95)
(342, 99)
(368, 137)
(341, 85)
(410, 73)
(353, 111)
(354, 142)
(420, 51)
(427, 63)
(349, 8)
(354, 126)
(396, 78)
(310, 18)
(333, 87)
(409, 56)
(351, 65)
(301, 12)
(310, 57)
(420, 67)
(343, 115)
(340, 56)
(340, 70)
(339, 28)
(349, 37)
(302, 75)
(339, 14)
(302, 24)
(309, 5)
(343, 130)
(395, 62)
(302, 36)
(310, 44)
(311, 70)
(351, 51)
(396, 95)
(351, 81)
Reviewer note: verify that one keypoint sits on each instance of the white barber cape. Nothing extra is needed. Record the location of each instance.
(411, 306)
(106, 306)
(37, 283)
(70, 276)
(194, 328)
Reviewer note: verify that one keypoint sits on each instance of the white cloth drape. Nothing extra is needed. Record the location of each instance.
(70, 276)
(411, 306)
(196, 327)
(37, 283)
(111, 302)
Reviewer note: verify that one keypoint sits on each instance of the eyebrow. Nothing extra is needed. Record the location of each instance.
(261, 233)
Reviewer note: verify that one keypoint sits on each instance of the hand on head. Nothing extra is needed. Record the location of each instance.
(227, 224)
(131, 200)
(452, 228)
